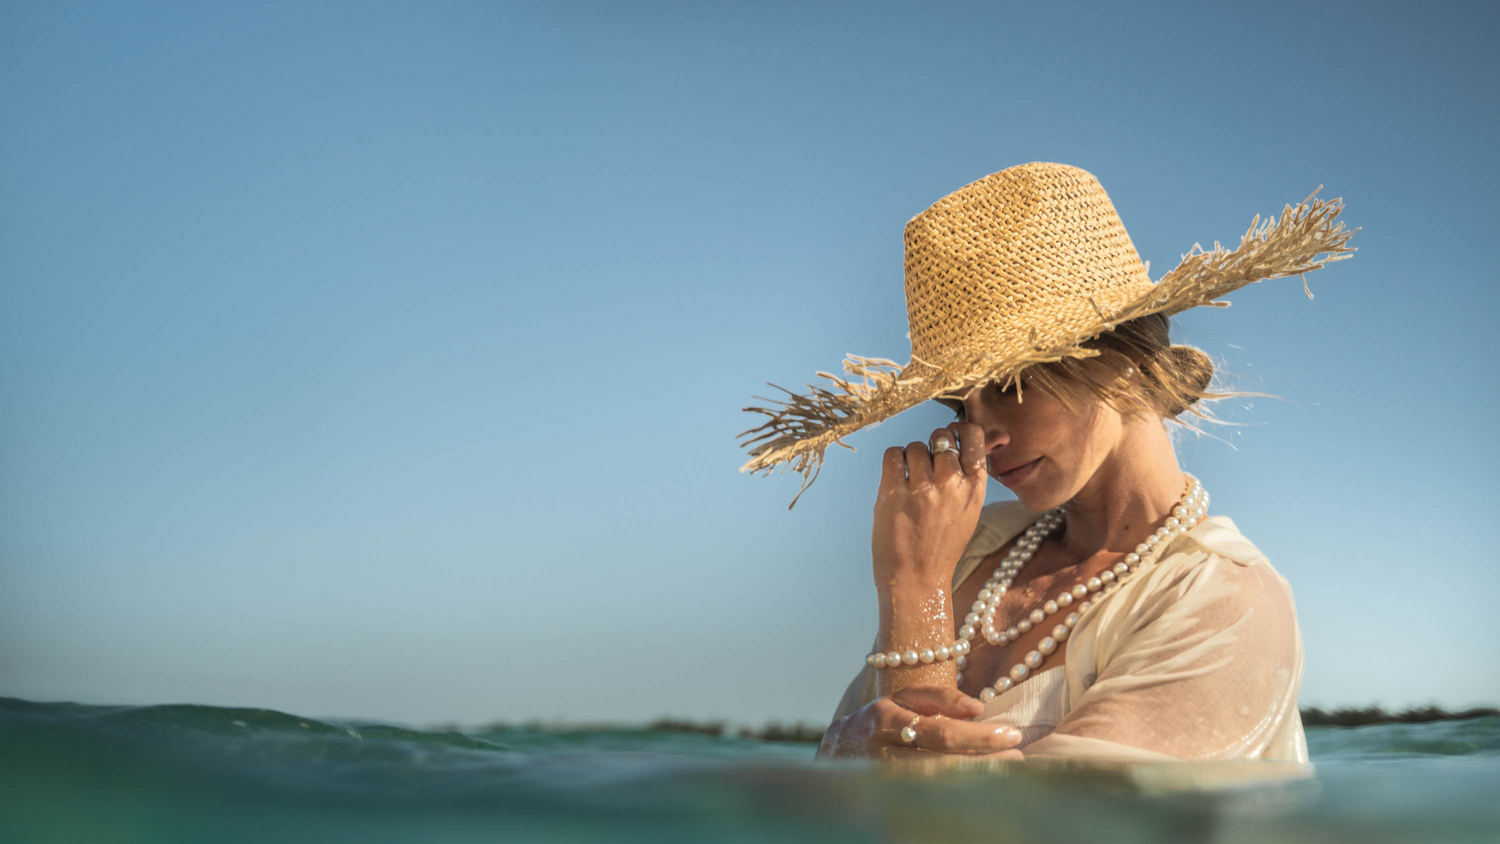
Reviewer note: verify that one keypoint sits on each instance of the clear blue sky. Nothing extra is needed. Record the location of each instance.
(386, 360)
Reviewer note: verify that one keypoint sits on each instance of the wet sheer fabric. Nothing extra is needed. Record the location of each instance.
(1196, 657)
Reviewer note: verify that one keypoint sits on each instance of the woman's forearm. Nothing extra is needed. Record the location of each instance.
(915, 614)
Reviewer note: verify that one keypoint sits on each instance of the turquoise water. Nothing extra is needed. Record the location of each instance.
(200, 774)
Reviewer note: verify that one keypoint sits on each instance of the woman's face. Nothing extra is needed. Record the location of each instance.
(1037, 448)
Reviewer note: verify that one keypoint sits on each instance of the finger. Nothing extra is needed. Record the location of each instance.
(947, 735)
(893, 469)
(918, 464)
(937, 700)
(971, 448)
(945, 462)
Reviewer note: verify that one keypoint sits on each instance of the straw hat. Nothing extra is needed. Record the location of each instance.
(1023, 267)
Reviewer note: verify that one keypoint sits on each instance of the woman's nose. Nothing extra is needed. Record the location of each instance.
(994, 433)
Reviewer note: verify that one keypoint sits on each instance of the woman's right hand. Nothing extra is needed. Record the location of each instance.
(874, 731)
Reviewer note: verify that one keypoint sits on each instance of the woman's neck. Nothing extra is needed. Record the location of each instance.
(1133, 490)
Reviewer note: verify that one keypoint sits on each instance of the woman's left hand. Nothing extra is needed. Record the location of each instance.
(928, 507)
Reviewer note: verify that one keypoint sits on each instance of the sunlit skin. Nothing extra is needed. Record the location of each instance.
(1117, 479)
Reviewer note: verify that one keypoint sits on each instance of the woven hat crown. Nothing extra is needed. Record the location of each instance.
(1024, 255)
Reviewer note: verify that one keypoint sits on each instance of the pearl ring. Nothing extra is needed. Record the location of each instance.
(943, 444)
(909, 732)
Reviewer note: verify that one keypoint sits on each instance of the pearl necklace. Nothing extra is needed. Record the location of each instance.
(1191, 510)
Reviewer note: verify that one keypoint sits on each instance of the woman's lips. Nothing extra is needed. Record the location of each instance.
(1011, 477)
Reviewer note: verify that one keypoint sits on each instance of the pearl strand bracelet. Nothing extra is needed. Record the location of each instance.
(942, 653)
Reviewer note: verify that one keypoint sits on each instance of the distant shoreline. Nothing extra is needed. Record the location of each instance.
(1315, 717)
(812, 733)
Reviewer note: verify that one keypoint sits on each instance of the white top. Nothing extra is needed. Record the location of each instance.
(1198, 656)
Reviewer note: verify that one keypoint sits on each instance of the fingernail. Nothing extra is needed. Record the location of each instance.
(1012, 735)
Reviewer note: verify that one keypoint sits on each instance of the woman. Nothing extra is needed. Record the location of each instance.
(1104, 613)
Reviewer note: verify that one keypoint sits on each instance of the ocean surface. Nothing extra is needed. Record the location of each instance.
(206, 774)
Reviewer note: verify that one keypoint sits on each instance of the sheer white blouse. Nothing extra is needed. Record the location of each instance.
(1198, 656)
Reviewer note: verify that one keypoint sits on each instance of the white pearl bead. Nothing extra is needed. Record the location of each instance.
(893, 659)
(989, 632)
(984, 594)
(1072, 619)
(961, 662)
(967, 631)
(961, 647)
(1121, 568)
(1173, 521)
(978, 606)
(1033, 659)
(870, 660)
(987, 694)
(908, 734)
(1004, 684)
(1065, 599)
(926, 655)
(1037, 616)
(1013, 632)
(1084, 607)
(1179, 511)
(1047, 645)
(1132, 558)
(1050, 607)
(910, 657)
(1152, 540)
(1023, 625)
(943, 653)
(1143, 549)
(1018, 672)
(972, 618)
(1080, 591)
(1107, 576)
(1060, 632)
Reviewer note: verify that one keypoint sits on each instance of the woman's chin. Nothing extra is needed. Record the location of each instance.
(1038, 498)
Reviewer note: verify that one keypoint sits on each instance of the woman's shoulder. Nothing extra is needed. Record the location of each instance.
(1216, 558)
(1212, 580)
(1219, 535)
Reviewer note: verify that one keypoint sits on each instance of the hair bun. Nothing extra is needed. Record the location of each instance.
(1193, 369)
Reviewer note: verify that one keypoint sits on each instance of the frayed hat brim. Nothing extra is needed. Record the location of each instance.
(800, 429)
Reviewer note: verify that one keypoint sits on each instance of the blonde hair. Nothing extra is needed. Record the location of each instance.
(1137, 371)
